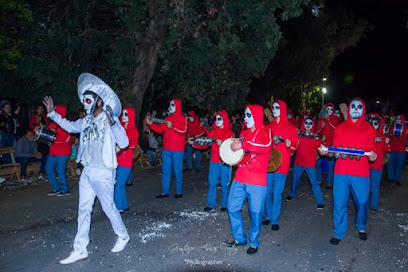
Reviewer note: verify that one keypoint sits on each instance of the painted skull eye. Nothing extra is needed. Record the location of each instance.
(172, 105)
(219, 119)
(248, 115)
(88, 101)
(276, 108)
(375, 123)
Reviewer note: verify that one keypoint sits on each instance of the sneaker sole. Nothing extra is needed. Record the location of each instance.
(63, 194)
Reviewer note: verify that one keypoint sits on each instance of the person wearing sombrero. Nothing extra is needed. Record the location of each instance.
(100, 132)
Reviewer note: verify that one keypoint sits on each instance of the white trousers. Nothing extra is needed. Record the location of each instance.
(96, 183)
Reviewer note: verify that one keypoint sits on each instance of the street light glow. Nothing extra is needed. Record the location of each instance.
(378, 102)
(324, 90)
(325, 78)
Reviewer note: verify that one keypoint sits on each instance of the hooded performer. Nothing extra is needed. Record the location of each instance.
(285, 140)
(398, 143)
(352, 173)
(292, 117)
(306, 161)
(194, 130)
(376, 167)
(125, 158)
(218, 169)
(174, 134)
(100, 133)
(325, 128)
(250, 179)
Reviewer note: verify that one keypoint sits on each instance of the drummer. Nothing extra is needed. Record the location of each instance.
(306, 161)
(285, 141)
(398, 142)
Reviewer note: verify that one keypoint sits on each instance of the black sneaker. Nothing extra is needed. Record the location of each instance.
(252, 250)
(328, 187)
(63, 194)
(275, 227)
(197, 170)
(188, 169)
(289, 198)
(208, 209)
(178, 195)
(162, 196)
(335, 241)
(224, 209)
(398, 183)
(320, 207)
(362, 236)
(374, 210)
(53, 193)
(234, 243)
(129, 184)
(266, 222)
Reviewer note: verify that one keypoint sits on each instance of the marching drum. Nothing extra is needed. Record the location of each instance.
(397, 130)
(45, 135)
(228, 156)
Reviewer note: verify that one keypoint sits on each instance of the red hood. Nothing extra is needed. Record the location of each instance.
(61, 110)
(382, 122)
(177, 102)
(302, 127)
(362, 117)
(257, 113)
(224, 115)
(132, 117)
(283, 111)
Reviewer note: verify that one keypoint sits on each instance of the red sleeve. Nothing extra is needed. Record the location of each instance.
(371, 140)
(262, 143)
(319, 126)
(133, 138)
(158, 128)
(294, 141)
(180, 126)
(62, 136)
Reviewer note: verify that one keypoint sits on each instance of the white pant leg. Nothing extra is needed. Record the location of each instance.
(85, 206)
(103, 183)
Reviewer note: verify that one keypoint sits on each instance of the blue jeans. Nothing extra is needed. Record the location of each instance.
(330, 173)
(122, 175)
(360, 188)
(256, 201)
(130, 177)
(57, 163)
(395, 166)
(189, 152)
(23, 161)
(152, 156)
(375, 181)
(7, 140)
(172, 160)
(218, 171)
(311, 173)
(274, 189)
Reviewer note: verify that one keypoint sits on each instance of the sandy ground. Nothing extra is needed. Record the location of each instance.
(36, 231)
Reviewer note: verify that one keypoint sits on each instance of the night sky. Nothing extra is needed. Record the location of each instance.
(376, 69)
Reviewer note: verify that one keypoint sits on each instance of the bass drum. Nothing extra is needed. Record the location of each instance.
(228, 156)
(275, 160)
(45, 135)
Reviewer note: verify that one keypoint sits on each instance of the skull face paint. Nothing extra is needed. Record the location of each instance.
(89, 104)
(191, 119)
(249, 119)
(289, 115)
(329, 110)
(275, 109)
(398, 119)
(219, 122)
(308, 123)
(356, 109)
(337, 113)
(376, 123)
(172, 108)
(125, 116)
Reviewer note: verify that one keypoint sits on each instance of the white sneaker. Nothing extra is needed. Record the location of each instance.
(120, 244)
(75, 256)
(2, 180)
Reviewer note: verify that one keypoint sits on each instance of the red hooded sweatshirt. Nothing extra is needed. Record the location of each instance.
(292, 118)
(303, 115)
(125, 156)
(287, 131)
(360, 135)
(398, 143)
(257, 144)
(173, 138)
(307, 148)
(62, 144)
(380, 146)
(219, 134)
(329, 127)
(193, 128)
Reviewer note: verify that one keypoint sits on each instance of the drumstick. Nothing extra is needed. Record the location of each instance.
(345, 151)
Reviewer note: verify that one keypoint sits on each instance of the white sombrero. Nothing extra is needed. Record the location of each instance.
(89, 82)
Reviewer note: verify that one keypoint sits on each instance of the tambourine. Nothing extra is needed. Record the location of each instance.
(228, 156)
(45, 135)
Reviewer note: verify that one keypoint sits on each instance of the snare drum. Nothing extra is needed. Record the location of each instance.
(227, 155)
(397, 130)
(45, 135)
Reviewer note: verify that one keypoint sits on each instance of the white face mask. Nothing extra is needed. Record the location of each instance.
(89, 104)
(125, 116)
(191, 119)
(289, 115)
(275, 109)
(172, 108)
(218, 121)
(376, 123)
(308, 124)
(249, 119)
(356, 109)
(337, 113)
(329, 110)
(398, 120)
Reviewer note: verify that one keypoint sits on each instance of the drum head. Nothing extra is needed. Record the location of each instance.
(275, 160)
(227, 155)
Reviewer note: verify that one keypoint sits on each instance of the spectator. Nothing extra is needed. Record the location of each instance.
(6, 129)
(236, 126)
(147, 149)
(26, 152)
(145, 126)
(17, 127)
(37, 120)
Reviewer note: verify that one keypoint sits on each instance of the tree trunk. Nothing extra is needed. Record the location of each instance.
(146, 55)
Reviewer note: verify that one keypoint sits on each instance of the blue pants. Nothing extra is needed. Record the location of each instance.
(274, 189)
(152, 156)
(375, 180)
(23, 161)
(395, 166)
(360, 188)
(44, 159)
(172, 160)
(218, 171)
(189, 152)
(130, 178)
(122, 175)
(330, 172)
(58, 164)
(311, 173)
(256, 201)
(7, 140)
